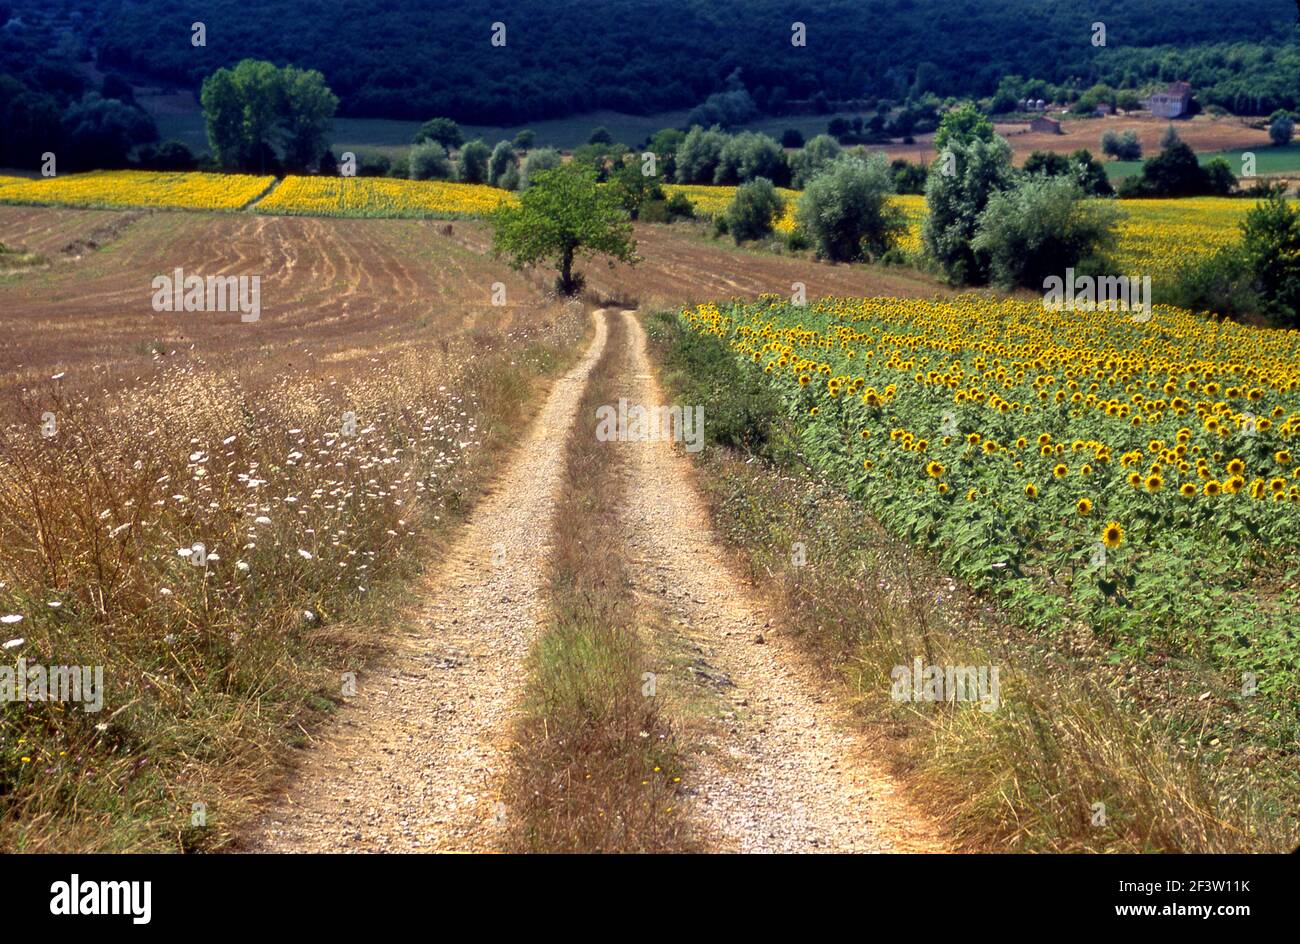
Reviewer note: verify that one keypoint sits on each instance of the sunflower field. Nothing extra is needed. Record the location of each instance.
(1134, 480)
(1158, 236)
(382, 197)
(138, 188)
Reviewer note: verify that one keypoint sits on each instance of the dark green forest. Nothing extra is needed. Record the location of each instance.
(406, 59)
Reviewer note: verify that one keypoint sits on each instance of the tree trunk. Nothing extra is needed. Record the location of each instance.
(566, 271)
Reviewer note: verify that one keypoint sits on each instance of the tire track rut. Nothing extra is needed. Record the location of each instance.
(784, 769)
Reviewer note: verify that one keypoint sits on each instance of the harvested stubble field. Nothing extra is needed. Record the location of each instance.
(682, 264)
(331, 291)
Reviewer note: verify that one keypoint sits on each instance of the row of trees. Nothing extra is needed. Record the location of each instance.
(1177, 172)
(476, 163)
(712, 156)
(845, 213)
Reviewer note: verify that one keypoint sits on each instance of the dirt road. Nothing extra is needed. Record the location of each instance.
(415, 759)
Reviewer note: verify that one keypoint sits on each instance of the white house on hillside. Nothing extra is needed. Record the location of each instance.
(1173, 102)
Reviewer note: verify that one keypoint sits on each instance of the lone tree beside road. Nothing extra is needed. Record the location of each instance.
(562, 214)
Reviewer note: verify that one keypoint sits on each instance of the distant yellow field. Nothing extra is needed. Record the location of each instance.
(1160, 235)
(138, 188)
(712, 201)
(382, 197)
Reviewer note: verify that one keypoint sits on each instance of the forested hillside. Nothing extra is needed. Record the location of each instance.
(403, 59)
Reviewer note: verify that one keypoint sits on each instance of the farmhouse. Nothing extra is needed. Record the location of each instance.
(1173, 102)
(1045, 125)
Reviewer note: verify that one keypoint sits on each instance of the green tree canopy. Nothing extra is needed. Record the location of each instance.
(443, 130)
(473, 164)
(1281, 128)
(428, 160)
(538, 161)
(1271, 248)
(847, 212)
(956, 194)
(809, 160)
(257, 114)
(752, 210)
(1042, 227)
(698, 155)
(961, 125)
(563, 214)
(502, 159)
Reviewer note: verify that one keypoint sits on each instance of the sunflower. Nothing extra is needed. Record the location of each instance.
(934, 470)
(1187, 490)
(1135, 479)
(1031, 489)
(1282, 457)
(1236, 467)
(1084, 506)
(943, 488)
(1213, 488)
(1154, 482)
(1112, 535)
(1061, 470)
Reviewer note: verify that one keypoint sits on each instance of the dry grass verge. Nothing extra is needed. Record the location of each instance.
(313, 500)
(594, 764)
